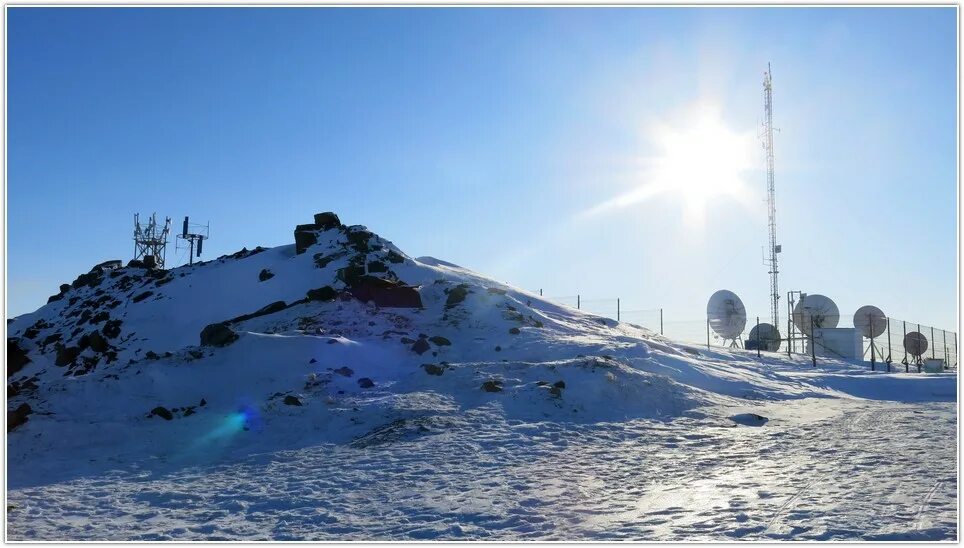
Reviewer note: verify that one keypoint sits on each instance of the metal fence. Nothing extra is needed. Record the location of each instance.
(885, 352)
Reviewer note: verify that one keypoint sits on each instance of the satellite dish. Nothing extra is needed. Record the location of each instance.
(915, 344)
(870, 321)
(726, 314)
(767, 336)
(821, 309)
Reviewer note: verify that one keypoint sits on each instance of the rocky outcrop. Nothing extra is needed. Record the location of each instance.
(327, 220)
(305, 237)
(16, 357)
(385, 293)
(17, 416)
(217, 334)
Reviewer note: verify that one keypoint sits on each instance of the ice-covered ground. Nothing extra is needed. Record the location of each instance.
(484, 413)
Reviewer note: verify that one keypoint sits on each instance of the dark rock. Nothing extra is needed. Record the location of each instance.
(54, 298)
(217, 334)
(265, 274)
(305, 237)
(327, 220)
(492, 386)
(359, 239)
(17, 416)
(203, 402)
(65, 288)
(142, 296)
(440, 341)
(498, 349)
(16, 357)
(406, 340)
(385, 293)
(555, 391)
(97, 342)
(162, 412)
(312, 360)
(134, 263)
(111, 329)
(90, 279)
(49, 339)
(350, 274)
(456, 295)
(326, 293)
(394, 257)
(189, 411)
(344, 371)
(292, 400)
(421, 346)
(514, 331)
(322, 260)
(66, 355)
(433, 369)
(377, 266)
(365, 382)
(151, 355)
(99, 317)
(559, 384)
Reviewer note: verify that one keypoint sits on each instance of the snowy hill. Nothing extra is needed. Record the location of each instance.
(342, 342)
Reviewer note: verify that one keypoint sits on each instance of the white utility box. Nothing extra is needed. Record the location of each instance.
(934, 365)
(839, 342)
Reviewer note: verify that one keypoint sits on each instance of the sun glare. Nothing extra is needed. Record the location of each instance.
(695, 158)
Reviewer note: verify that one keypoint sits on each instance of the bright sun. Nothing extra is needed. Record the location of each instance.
(695, 158)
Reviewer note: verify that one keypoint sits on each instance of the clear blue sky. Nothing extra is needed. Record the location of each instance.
(482, 137)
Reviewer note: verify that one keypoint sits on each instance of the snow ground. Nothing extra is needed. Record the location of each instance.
(601, 430)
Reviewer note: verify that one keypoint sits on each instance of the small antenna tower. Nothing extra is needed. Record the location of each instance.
(194, 236)
(771, 260)
(150, 242)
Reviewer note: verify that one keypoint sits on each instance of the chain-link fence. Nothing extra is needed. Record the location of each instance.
(896, 345)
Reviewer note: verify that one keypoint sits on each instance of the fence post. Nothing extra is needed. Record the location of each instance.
(789, 339)
(661, 321)
(578, 302)
(757, 336)
(933, 344)
(944, 331)
(540, 292)
(917, 358)
(955, 349)
(707, 333)
(873, 358)
(888, 345)
(813, 343)
(906, 367)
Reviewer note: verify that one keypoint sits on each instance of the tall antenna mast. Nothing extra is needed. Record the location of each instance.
(771, 261)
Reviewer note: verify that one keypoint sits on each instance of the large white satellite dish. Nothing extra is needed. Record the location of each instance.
(820, 309)
(915, 344)
(767, 336)
(870, 321)
(726, 314)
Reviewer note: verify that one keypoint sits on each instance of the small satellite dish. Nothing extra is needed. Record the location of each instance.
(915, 344)
(870, 321)
(726, 314)
(821, 309)
(767, 336)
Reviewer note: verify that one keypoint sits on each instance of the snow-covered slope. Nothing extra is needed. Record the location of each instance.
(343, 340)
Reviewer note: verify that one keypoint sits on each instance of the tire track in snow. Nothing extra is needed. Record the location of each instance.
(918, 521)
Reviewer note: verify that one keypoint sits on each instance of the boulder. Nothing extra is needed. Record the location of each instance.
(217, 334)
(559, 384)
(326, 293)
(292, 400)
(265, 274)
(385, 293)
(514, 331)
(16, 357)
(162, 412)
(17, 416)
(433, 369)
(492, 386)
(358, 238)
(327, 220)
(365, 382)
(394, 257)
(142, 296)
(305, 237)
(456, 295)
(440, 341)
(421, 346)
(66, 355)
(65, 288)
(344, 371)
(111, 329)
(377, 266)
(97, 341)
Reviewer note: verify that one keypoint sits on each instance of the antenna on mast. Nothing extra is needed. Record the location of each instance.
(192, 239)
(150, 241)
(771, 261)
